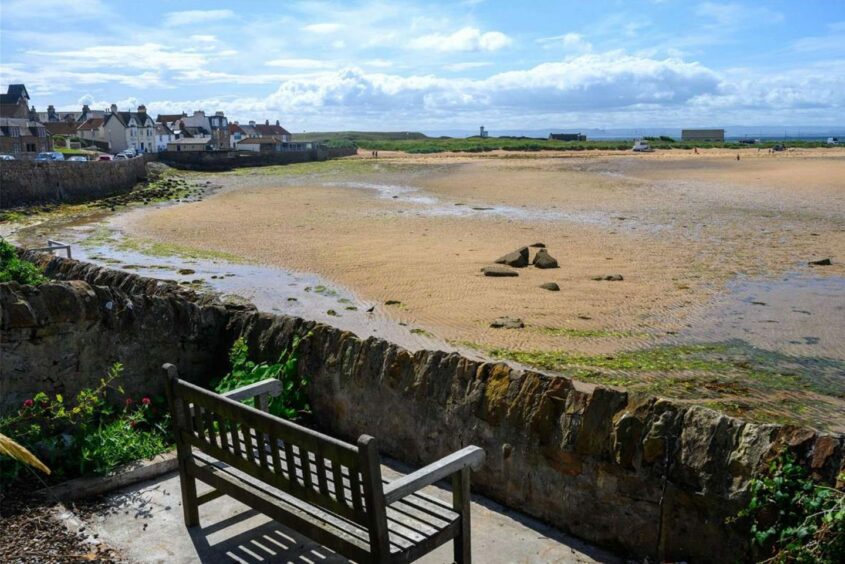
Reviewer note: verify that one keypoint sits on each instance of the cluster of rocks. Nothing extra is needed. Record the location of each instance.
(520, 258)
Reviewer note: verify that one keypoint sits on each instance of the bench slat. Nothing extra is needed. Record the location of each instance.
(311, 441)
(279, 481)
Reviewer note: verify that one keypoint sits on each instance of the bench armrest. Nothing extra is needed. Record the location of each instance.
(270, 386)
(469, 457)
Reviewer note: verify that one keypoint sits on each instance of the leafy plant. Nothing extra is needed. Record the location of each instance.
(292, 403)
(794, 519)
(87, 435)
(14, 269)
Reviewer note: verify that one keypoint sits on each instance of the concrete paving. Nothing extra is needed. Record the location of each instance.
(145, 523)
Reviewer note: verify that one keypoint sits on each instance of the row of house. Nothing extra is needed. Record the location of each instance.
(20, 130)
(23, 129)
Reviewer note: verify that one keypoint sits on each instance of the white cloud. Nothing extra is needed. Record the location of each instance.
(573, 42)
(187, 17)
(465, 39)
(204, 38)
(323, 27)
(457, 67)
(144, 56)
(300, 63)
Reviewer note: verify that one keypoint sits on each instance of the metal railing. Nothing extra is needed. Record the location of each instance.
(53, 246)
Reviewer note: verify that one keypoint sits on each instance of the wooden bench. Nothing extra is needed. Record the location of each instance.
(328, 490)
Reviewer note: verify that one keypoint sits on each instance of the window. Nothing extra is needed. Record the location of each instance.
(30, 148)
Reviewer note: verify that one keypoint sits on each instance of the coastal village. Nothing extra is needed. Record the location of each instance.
(26, 131)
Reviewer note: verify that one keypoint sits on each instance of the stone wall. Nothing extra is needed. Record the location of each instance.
(646, 476)
(228, 160)
(24, 182)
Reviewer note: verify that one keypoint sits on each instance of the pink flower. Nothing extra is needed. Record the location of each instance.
(128, 402)
(146, 401)
(28, 403)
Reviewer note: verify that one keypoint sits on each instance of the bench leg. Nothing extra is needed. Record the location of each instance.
(190, 504)
(461, 504)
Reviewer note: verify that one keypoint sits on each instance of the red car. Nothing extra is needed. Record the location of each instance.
(104, 158)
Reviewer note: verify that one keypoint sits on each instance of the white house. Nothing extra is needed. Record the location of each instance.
(124, 130)
(163, 136)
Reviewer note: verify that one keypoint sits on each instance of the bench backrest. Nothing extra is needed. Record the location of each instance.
(316, 468)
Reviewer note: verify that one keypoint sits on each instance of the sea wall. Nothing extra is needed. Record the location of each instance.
(26, 182)
(646, 476)
(214, 161)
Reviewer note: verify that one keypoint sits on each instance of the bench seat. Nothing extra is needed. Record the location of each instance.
(416, 524)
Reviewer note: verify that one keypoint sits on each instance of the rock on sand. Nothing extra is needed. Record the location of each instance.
(517, 259)
(544, 260)
(507, 323)
(498, 271)
(550, 286)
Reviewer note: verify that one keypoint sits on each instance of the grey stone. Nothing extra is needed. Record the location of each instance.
(820, 262)
(498, 271)
(516, 259)
(507, 323)
(538, 245)
(610, 277)
(544, 260)
(551, 286)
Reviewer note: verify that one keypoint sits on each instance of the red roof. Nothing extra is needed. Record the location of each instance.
(93, 123)
(61, 128)
(235, 128)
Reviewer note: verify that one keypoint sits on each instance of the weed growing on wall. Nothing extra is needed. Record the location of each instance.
(14, 269)
(794, 519)
(292, 403)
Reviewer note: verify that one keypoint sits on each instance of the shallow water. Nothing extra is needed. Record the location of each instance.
(798, 314)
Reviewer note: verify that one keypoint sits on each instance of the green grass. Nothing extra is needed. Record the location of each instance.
(479, 145)
(588, 333)
(356, 136)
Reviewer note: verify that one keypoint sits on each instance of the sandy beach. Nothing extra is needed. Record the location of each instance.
(416, 230)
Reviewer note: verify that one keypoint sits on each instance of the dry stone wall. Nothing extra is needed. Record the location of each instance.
(647, 476)
(26, 182)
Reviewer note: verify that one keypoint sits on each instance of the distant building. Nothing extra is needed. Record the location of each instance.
(164, 135)
(53, 116)
(216, 127)
(567, 137)
(92, 131)
(703, 135)
(260, 144)
(483, 132)
(195, 144)
(125, 130)
(22, 135)
(15, 103)
(277, 132)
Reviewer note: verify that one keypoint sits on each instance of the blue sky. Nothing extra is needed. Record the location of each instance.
(438, 65)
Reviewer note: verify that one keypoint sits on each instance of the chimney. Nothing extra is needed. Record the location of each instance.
(251, 123)
(218, 114)
(277, 123)
(85, 109)
(266, 122)
(114, 108)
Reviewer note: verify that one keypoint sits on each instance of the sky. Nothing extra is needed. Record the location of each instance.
(428, 65)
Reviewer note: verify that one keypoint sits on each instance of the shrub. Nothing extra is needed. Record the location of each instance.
(88, 435)
(14, 269)
(794, 519)
(292, 403)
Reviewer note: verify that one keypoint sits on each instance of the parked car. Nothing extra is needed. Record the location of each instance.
(6, 158)
(120, 157)
(833, 140)
(78, 159)
(104, 158)
(50, 156)
(130, 152)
